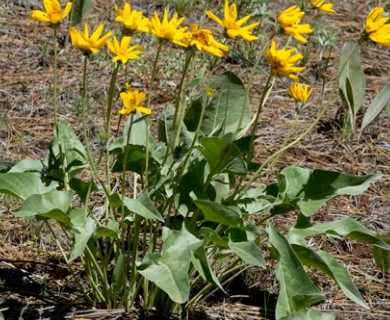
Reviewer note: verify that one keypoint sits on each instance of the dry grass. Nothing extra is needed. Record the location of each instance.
(26, 125)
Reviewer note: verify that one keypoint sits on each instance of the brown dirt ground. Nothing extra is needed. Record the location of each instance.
(26, 126)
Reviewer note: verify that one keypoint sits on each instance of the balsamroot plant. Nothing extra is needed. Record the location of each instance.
(176, 207)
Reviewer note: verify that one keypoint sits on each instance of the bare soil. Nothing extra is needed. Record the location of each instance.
(34, 284)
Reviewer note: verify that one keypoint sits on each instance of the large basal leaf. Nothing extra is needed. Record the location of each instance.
(167, 132)
(82, 233)
(135, 159)
(310, 314)
(201, 264)
(137, 135)
(297, 290)
(382, 257)
(22, 185)
(377, 105)
(27, 165)
(110, 230)
(143, 206)
(74, 154)
(52, 205)
(222, 155)
(169, 271)
(346, 227)
(216, 212)
(307, 189)
(223, 109)
(323, 261)
(351, 79)
(244, 248)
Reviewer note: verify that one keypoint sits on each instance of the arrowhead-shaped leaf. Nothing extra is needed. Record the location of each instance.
(297, 290)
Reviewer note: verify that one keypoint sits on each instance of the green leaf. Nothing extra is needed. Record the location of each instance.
(119, 275)
(351, 79)
(307, 190)
(201, 264)
(136, 159)
(216, 212)
(82, 188)
(246, 249)
(297, 290)
(169, 271)
(79, 9)
(211, 235)
(167, 132)
(82, 233)
(52, 205)
(310, 314)
(382, 257)
(110, 230)
(377, 105)
(223, 108)
(222, 155)
(74, 154)
(22, 185)
(27, 165)
(346, 227)
(323, 261)
(143, 206)
(258, 200)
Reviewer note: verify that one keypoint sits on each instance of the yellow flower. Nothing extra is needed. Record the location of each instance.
(299, 92)
(233, 28)
(320, 5)
(289, 20)
(132, 20)
(53, 14)
(87, 43)
(203, 40)
(376, 27)
(123, 52)
(132, 100)
(283, 62)
(168, 30)
(210, 91)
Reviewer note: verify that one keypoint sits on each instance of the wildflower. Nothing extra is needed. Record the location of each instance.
(123, 52)
(132, 20)
(376, 27)
(210, 91)
(320, 5)
(132, 100)
(53, 12)
(203, 40)
(283, 62)
(87, 43)
(168, 30)
(300, 93)
(290, 19)
(233, 28)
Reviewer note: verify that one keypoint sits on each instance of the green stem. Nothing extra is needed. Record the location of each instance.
(110, 99)
(148, 106)
(179, 112)
(108, 131)
(57, 130)
(267, 90)
(85, 133)
(250, 81)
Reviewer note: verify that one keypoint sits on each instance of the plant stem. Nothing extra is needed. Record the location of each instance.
(57, 130)
(85, 133)
(179, 112)
(267, 90)
(148, 106)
